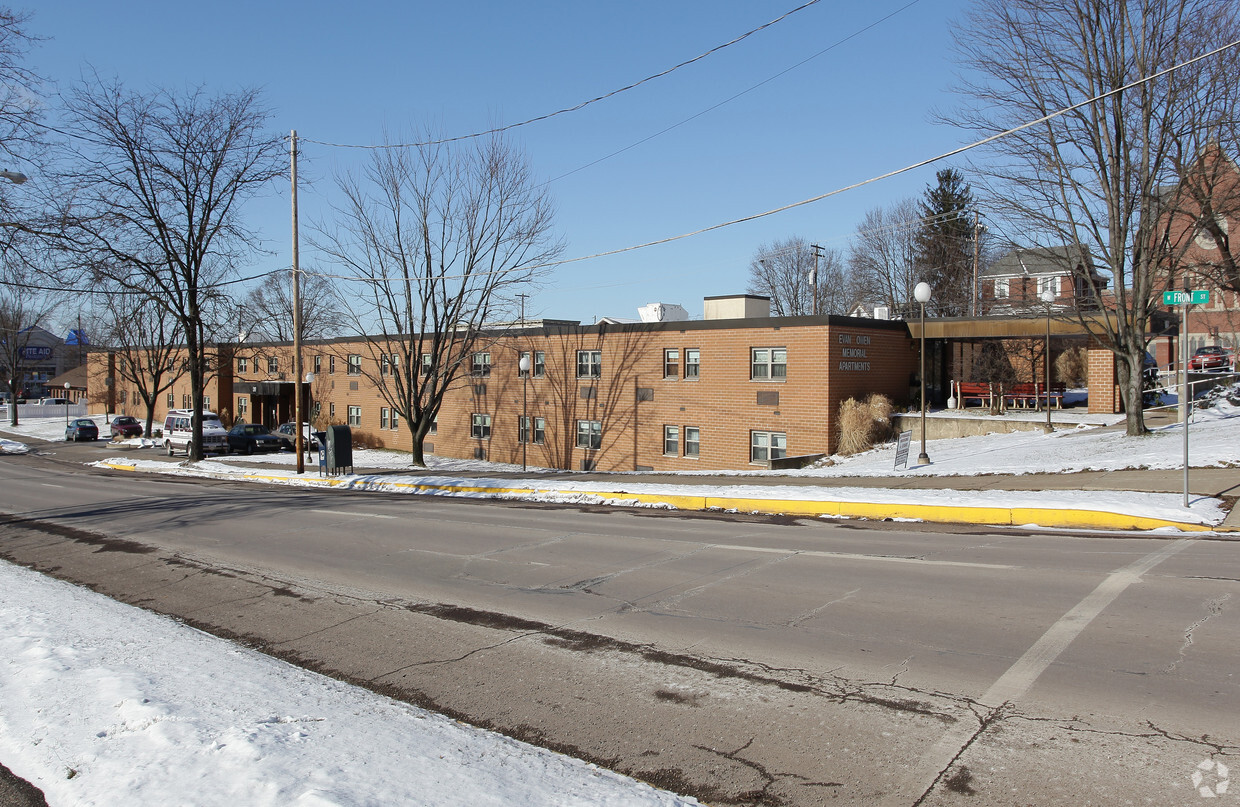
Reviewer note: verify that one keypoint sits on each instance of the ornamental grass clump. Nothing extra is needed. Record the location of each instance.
(864, 424)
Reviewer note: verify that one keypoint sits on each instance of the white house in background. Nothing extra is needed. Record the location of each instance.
(1014, 284)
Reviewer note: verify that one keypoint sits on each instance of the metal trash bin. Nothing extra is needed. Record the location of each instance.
(339, 452)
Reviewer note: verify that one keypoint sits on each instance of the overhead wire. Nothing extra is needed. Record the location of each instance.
(575, 107)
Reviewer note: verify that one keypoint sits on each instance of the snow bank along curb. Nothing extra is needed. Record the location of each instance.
(1064, 517)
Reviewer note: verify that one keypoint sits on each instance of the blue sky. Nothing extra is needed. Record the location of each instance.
(346, 73)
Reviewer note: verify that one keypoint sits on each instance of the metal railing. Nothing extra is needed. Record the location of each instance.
(1198, 383)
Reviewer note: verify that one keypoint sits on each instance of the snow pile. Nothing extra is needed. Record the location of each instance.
(12, 447)
(107, 704)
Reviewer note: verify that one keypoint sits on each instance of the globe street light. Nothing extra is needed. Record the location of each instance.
(524, 366)
(67, 405)
(1048, 297)
(922, 294)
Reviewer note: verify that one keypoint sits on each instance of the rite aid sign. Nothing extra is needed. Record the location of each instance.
(36, 353)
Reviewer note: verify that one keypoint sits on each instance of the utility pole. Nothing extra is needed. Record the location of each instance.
(525, 365)
(299, 440)
(977, 239)
(813, 277)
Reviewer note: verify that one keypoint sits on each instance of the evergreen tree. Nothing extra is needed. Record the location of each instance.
(944, 245)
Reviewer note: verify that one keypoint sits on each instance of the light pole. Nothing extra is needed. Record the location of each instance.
(67, 405)
(524, 366)
(922, 294)
(1048, 297)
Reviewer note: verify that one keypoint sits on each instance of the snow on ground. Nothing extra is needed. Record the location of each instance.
(105, 703)
(12, 447)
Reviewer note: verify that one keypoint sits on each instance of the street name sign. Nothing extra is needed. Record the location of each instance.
(1197, 297)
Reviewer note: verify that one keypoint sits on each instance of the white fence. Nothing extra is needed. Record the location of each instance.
(34, 411)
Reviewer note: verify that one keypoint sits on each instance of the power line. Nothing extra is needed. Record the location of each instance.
(137, 292)
(576, 107)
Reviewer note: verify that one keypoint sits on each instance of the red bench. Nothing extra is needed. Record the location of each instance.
(972, 391)
(1034, 395)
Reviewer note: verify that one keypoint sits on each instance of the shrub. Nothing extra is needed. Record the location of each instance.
(1070, 367)
(863, 424)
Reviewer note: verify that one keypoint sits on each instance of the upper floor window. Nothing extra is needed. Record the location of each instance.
(318, 364)
(769, 364)
(273, 364)
(355, 416)
(671, 363)
(693, 363)
(427, 365)
(540, 364)
(1046, 284)
(1001, 288)
(331, 364)
(589, 363)
(243, 364)
(481, 365)
(355, 364)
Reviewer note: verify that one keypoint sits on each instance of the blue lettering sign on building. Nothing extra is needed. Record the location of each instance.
(36, 353)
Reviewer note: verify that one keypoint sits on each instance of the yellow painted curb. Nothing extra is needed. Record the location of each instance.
(941, 514)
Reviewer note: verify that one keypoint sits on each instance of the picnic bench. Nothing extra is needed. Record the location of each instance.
(1025, 396)
(974, 391)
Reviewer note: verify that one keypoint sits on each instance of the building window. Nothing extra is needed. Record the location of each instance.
(765, 446)
(243, 364)
(383, 417)
(480, 426)
(671, 363)
(187, 402)
(243, 407)
(427, 365)
(540, 364)
(693, 364)
(1001, 288)
(317, 409)
(355, 364)
(434, 426)
(589, 363)
(331, 412)
(671, 441)
(355, 416)
(172, 401)
(523, 430)
(589, 434)
(769, 364)
(206, 402)
(385, 365)
(273, 364)
(540, 430)
(693, 439)
(524, 356)
(318, 364)
(481, 365)
(331, 364)
(1046, 284)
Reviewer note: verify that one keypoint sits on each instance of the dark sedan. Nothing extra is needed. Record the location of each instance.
(288, 433)
(248, 438)
(81, 429)
(125, 426)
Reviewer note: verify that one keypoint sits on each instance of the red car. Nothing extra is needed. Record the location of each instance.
(1212, 357)
(126, 426)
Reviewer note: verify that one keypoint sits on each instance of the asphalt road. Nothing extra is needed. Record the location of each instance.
(741, 660)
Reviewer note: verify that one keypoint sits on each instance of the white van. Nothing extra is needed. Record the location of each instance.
(178, 432)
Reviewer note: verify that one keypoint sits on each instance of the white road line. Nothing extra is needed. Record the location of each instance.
(856, 556)
(50, 485)
(351, 514)
(1020, 677)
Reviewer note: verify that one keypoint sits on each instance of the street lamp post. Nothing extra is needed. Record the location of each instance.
(67, 385)
(524, 366)
(1048, 297)
(922, 294)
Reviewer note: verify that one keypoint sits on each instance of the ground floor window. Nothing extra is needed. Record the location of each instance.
(671, 441)
(765, 446)
(172, 400)
(540, 430)
(480, 426)
(693, 439)
(243, 408)
(589, 434)
(383, 417)
(355, 416)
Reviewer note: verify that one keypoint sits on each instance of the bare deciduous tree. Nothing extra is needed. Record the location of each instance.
(147, 342)
(883, 255)
(161, 178)
(23, 309)
(1090, 179)
(439, 240)
(784, 271)
(266, 311)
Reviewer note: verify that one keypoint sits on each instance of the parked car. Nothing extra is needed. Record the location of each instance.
(178, 432)
(287, 432)
(54, 402)
(1212, 357)
(125, 426)
(81, 429)
(250, 437)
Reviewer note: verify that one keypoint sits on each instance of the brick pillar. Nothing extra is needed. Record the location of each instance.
(1104, 396)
